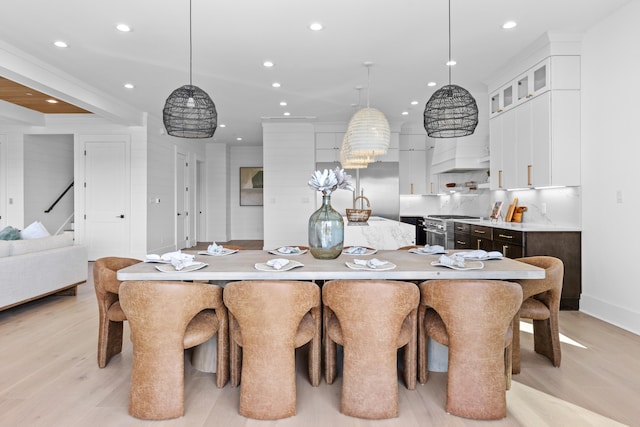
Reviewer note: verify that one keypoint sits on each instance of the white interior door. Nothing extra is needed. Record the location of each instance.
(182, 211)
(107, 198)
(201, 217)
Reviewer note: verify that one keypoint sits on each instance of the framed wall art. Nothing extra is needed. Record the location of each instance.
(251, 179)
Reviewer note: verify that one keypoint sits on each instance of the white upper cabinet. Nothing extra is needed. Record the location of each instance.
(328, 146)
(413, 164)
(536, 142)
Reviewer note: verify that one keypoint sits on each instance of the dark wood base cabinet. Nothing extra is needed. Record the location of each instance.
(516, 244)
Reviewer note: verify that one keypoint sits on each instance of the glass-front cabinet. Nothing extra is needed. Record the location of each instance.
(533, 82)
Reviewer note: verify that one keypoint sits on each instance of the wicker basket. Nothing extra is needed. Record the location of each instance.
(358, 215)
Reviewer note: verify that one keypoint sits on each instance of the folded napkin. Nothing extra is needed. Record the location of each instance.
(454, 260)
(180, 260)
(431, 249)
(371, 263)
(289, 250)
(356, 250)
(277, 263)
(479, 254)
(215, 249)
(164, 257)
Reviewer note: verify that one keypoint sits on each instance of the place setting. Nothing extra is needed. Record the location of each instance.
(373, 264)
(289, 250)
(358, 250)
(179, 262)
(278, 264)
(428, 250)
(217, 250)
(456, 262)
(480, 255)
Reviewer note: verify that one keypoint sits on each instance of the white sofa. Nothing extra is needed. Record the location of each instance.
(30, 269)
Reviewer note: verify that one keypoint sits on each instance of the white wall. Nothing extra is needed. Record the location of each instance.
(218, 203)
(48, 171)
(610, 155)
(246, 221)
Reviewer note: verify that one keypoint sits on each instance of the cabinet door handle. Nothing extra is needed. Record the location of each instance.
(529, 174)
(499, 111)
(412, 188)
(499, 179)
(479, 231)
(505, 236)
(431, 187)
(505, 249)
(479, 240)
(461, 243)
(529, 96)
(460, 228)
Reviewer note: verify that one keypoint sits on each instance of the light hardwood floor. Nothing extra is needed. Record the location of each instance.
(49, 377)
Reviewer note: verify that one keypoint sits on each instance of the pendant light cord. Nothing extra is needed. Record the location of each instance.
(450, 43)
(368, 83)
(191, 50)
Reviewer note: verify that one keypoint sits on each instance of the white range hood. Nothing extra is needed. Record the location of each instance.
(460, 154)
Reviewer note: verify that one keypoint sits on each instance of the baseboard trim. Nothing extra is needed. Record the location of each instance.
(614, 314)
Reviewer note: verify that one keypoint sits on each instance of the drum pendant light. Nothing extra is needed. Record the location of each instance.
(189, 111)
(451, 111)
(368, 132)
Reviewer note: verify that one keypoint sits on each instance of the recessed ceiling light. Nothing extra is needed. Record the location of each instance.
(239, 138)
(123, 27)
(286, 113)
(52, 101)
(431, 84)
(275, 84)
(405, 113)
(451, 63)
(268, 64)
(283, 103)
(509, 25)
(129, 86)
(414, 102)
(60, 43)
(315, 26)
(222, 125)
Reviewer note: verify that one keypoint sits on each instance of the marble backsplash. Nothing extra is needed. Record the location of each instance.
(552, 206)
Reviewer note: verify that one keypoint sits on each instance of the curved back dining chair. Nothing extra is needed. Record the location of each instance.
(110, 314)
(268, 320)
(473, 318)
(541, 303)
(371, 320)
(165, 319)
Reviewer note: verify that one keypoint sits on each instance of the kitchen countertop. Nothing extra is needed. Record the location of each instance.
(520, 226)
(380, 233)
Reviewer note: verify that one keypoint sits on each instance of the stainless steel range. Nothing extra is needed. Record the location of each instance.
(439, 229)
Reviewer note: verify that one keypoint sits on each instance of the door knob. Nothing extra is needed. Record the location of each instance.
(120, 216)
(179, 214)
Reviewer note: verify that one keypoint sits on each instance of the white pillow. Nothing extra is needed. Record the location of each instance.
(35, 230)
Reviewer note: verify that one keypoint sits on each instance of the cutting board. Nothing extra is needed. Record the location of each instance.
(511, 210)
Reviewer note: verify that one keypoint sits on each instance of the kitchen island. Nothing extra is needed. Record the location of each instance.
(379, 233)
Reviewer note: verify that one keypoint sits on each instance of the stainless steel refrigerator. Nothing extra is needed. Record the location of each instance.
(379, 183)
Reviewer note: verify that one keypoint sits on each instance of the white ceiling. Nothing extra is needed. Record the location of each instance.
(319, 71)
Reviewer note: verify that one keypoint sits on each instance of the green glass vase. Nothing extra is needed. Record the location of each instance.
(326, 231)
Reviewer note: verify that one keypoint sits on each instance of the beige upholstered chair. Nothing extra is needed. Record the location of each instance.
(109, 311)
(268, 320)
(371, 319)
(473, 318)
(541, 302)
(166, 318)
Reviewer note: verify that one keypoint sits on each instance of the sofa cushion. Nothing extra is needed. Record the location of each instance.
(5, 248)
(9, 233)
(20, 247)
(35, 230)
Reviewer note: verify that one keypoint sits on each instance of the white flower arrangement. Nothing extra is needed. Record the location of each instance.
(329, 180)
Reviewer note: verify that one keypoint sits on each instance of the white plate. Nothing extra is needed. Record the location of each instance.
(303, 250)
(168, 268)
(264, 267)
(369, 251)
(423, 252)
(471, 265)
(157, 261)
(223, 252)
(387, 266)
(484, 258)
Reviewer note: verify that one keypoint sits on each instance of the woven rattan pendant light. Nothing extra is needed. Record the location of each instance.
(189, 111)
(451, 111)
(368, 132)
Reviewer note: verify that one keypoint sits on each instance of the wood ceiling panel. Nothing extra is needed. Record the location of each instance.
(26, 97)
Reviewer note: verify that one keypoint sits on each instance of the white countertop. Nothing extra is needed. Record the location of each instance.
(520, 226)
(380, 233)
